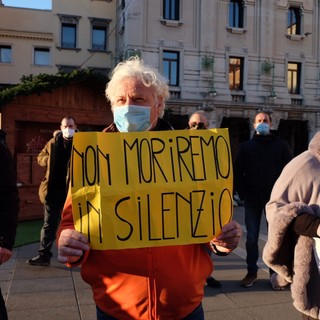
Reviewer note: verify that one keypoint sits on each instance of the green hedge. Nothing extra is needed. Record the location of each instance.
(47, 82)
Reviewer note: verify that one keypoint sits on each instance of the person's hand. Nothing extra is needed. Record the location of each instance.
(229, 237)
(71, 246)
(5, 255)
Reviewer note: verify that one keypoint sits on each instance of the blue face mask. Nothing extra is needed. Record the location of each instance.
(263, 129)
(132, 118)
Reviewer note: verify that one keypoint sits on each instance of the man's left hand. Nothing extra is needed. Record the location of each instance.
(229, 237)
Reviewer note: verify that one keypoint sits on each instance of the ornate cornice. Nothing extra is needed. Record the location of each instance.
(26, 35)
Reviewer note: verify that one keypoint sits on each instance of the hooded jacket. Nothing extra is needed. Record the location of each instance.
(297, 191)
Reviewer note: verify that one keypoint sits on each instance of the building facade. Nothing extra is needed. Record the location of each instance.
(231, 59)
(74, 34)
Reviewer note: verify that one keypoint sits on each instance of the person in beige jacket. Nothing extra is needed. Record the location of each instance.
(293, 245)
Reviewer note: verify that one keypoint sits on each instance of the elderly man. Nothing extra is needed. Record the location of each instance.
(145, 283)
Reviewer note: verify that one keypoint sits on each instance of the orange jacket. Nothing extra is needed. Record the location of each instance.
(148, 283)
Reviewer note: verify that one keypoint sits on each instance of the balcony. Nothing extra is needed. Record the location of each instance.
(174, 94)
(296, 101)
(238, 97)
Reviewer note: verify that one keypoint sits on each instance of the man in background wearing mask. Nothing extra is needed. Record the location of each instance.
(258, 165)
(53, 189)
(199, 121)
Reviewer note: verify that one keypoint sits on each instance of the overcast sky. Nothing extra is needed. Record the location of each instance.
(35, 4)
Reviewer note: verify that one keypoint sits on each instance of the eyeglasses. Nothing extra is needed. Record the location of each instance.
(197, 125)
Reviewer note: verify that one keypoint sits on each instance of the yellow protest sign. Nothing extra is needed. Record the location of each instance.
(144, 189)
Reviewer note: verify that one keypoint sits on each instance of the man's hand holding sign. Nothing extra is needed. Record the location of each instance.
(151, 189)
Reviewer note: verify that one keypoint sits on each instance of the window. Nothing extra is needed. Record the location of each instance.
(69, 25)
(294, 21)
(68, 35)
(171, 67)
(236, 13)
(5, 54)
(294, 75)
(171, 9)
(236, 73)
(99, 34)
(99, 38)
(66, 68)
(41, 56)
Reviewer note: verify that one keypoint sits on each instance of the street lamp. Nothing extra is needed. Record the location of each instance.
(272, 93)
(208, 63)
(133, 53)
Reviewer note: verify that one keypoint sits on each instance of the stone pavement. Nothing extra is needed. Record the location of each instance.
(53, 293)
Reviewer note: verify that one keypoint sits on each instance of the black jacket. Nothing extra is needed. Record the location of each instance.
(258, 165)
(9, 197)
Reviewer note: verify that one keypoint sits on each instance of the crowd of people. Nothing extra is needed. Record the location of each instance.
(269, 181)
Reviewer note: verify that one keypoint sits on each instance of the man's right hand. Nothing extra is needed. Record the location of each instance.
(71, 246)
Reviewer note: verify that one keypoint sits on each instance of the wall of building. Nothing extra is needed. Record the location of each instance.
(85, 10)
(203, 30)
(138, 26)
(42, 28)
(34, 29)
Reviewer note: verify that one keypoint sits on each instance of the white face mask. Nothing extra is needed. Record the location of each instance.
(68, 133)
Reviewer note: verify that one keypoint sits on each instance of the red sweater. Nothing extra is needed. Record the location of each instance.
(148, 283)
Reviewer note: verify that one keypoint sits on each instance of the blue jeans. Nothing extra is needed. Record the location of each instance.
(253, 214)
(196, 314)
